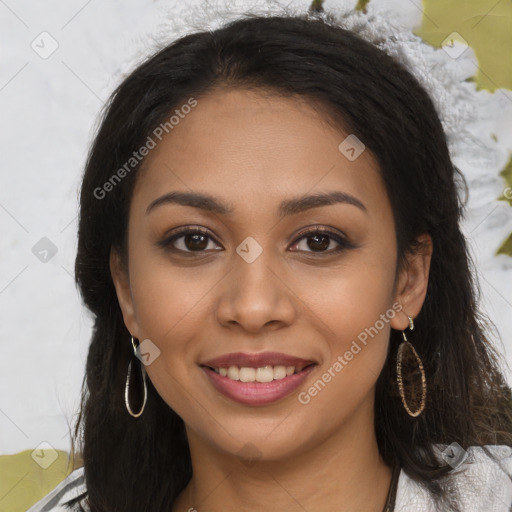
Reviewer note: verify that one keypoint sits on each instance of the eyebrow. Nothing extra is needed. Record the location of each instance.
(286, 208)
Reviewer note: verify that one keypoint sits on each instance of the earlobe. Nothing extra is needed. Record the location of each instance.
(412, 283)
(121, 282)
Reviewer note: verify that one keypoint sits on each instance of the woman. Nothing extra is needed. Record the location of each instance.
(285, 313)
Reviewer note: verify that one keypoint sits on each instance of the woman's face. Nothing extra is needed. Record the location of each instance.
(262, 278)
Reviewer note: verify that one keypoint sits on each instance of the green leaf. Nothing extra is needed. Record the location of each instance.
(361, 5)
(506, 173)
(506, 246)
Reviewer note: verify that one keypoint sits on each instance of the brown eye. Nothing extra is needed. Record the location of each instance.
(320, 240)
(195, 242)
(188, 241)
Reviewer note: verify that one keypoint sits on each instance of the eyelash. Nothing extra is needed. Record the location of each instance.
(343, 243)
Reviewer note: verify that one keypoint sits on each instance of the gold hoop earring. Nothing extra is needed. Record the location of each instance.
(406, 344)
(127, 386)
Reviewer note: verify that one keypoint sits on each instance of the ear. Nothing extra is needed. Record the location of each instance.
(412, 283)
(121, 280)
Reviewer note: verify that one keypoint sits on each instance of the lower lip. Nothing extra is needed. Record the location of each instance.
(257, 393)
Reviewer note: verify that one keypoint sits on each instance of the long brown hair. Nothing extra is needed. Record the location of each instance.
(143, 464)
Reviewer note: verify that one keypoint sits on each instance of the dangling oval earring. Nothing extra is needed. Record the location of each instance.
(127, 386)
(401, 349)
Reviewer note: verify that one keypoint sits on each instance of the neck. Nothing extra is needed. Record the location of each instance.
(345, 473)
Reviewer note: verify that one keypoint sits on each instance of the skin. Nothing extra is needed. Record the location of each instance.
(252, 150)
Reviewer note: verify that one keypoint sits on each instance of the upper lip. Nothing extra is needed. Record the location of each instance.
(259, 360)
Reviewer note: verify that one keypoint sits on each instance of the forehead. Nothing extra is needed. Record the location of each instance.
(247, 146)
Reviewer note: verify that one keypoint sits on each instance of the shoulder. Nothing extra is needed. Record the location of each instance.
(485, 477)
(481, 479)
(71, 487)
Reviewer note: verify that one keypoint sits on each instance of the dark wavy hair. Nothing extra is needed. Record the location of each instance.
(143, 464)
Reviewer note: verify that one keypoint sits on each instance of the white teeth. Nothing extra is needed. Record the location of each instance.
(279, 372)
(247, 374)
(233, 373)
(263, 374)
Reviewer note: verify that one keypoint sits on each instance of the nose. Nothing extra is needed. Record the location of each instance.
(255, 296)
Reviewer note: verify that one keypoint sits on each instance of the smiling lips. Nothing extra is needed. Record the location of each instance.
(257, 379)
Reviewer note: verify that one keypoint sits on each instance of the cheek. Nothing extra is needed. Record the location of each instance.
(358, 311)
(172, 305)
(352, 296)
(356, 306)
(169, 300)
